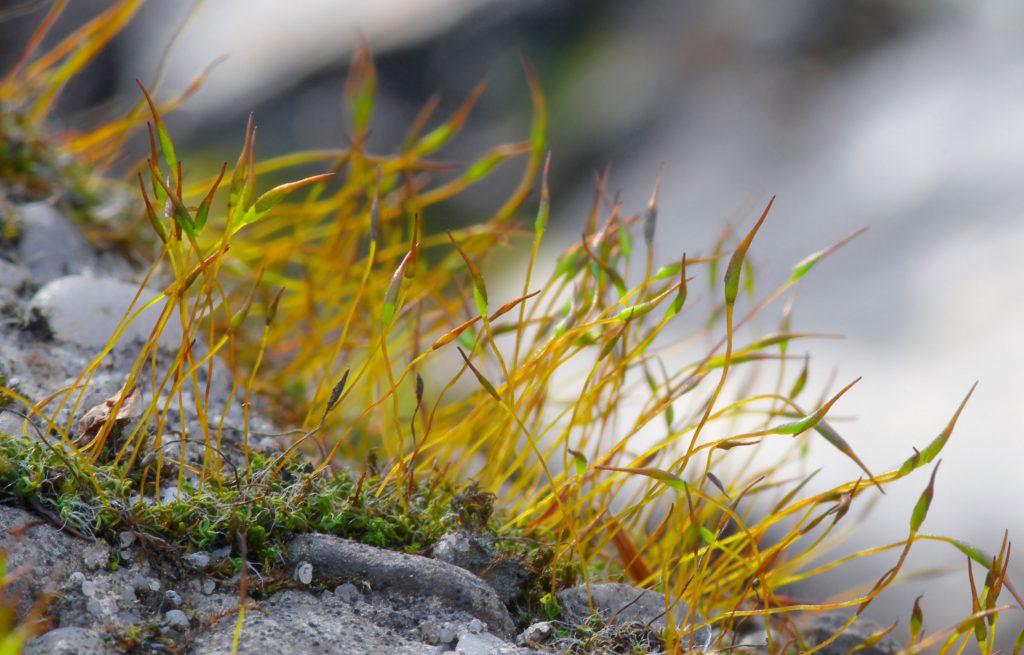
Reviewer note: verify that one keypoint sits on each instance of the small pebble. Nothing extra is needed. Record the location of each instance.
(197, 560)
(76, 578)
(476, 626)
(176, 619)
(125, 538)
(446, 634)
(209, 586)
(346, 592)
(304, 573)
(128, 595)
(173, 597)
(538, 633)
(94, 607)
(88, 587)
(96, 557)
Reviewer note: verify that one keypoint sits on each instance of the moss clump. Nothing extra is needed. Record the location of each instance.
(98, 500)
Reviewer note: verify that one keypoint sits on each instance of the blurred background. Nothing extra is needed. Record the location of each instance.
(905, 116)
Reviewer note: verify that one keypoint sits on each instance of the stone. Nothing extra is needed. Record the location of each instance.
(537, 634)
(304, 573)
(198, 560)
(336, 560)
(309, 625)
(50, 246)
(621, 603)
(484, 643)
(69, 641)
(51, 555)
(13, 277)
(176, 619)
(85, 311)
(477, 553)
(346, 592)
(821, 627)
(434, 632)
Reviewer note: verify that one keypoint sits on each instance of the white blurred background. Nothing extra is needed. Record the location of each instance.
(905, 116)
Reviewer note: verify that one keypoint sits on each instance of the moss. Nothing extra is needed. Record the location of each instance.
(264, 509)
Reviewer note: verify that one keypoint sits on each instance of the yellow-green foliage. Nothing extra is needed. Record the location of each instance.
(332, 297)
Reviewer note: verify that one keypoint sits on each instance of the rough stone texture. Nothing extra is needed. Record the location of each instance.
(483, 644)
(821, 627)
(476, 554)
(13, 277)
(337, 560)
(50, 246)
(48, 555)
(69, 641)
(373, 624)
(86, 310)
(623, 603)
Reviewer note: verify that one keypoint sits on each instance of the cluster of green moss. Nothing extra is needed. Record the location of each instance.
(98, 500)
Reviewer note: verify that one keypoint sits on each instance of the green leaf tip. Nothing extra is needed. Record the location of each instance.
(919, 459)
(920, 512)
(732, 271)
(809, 262)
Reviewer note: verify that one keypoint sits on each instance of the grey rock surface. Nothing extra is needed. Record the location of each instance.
(622, 603)
(50, 246)
(336, 560)
(48, 555)
(69, 641)
(822, 627)
(85, 311)
(478, 555)
(373, 624)
(14, 277)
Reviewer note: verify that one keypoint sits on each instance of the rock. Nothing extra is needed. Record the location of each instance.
(13, 277)
(309, 625)
(176, 619)
(50, 246)
(477, 554)
(537, 634)
(336, 560)
(822, 627)
(347, 592)
(438, 633)
(198, 560)
(85, 311)
(69, 641)
(50, 555)
(485, 643)
(622, 603)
